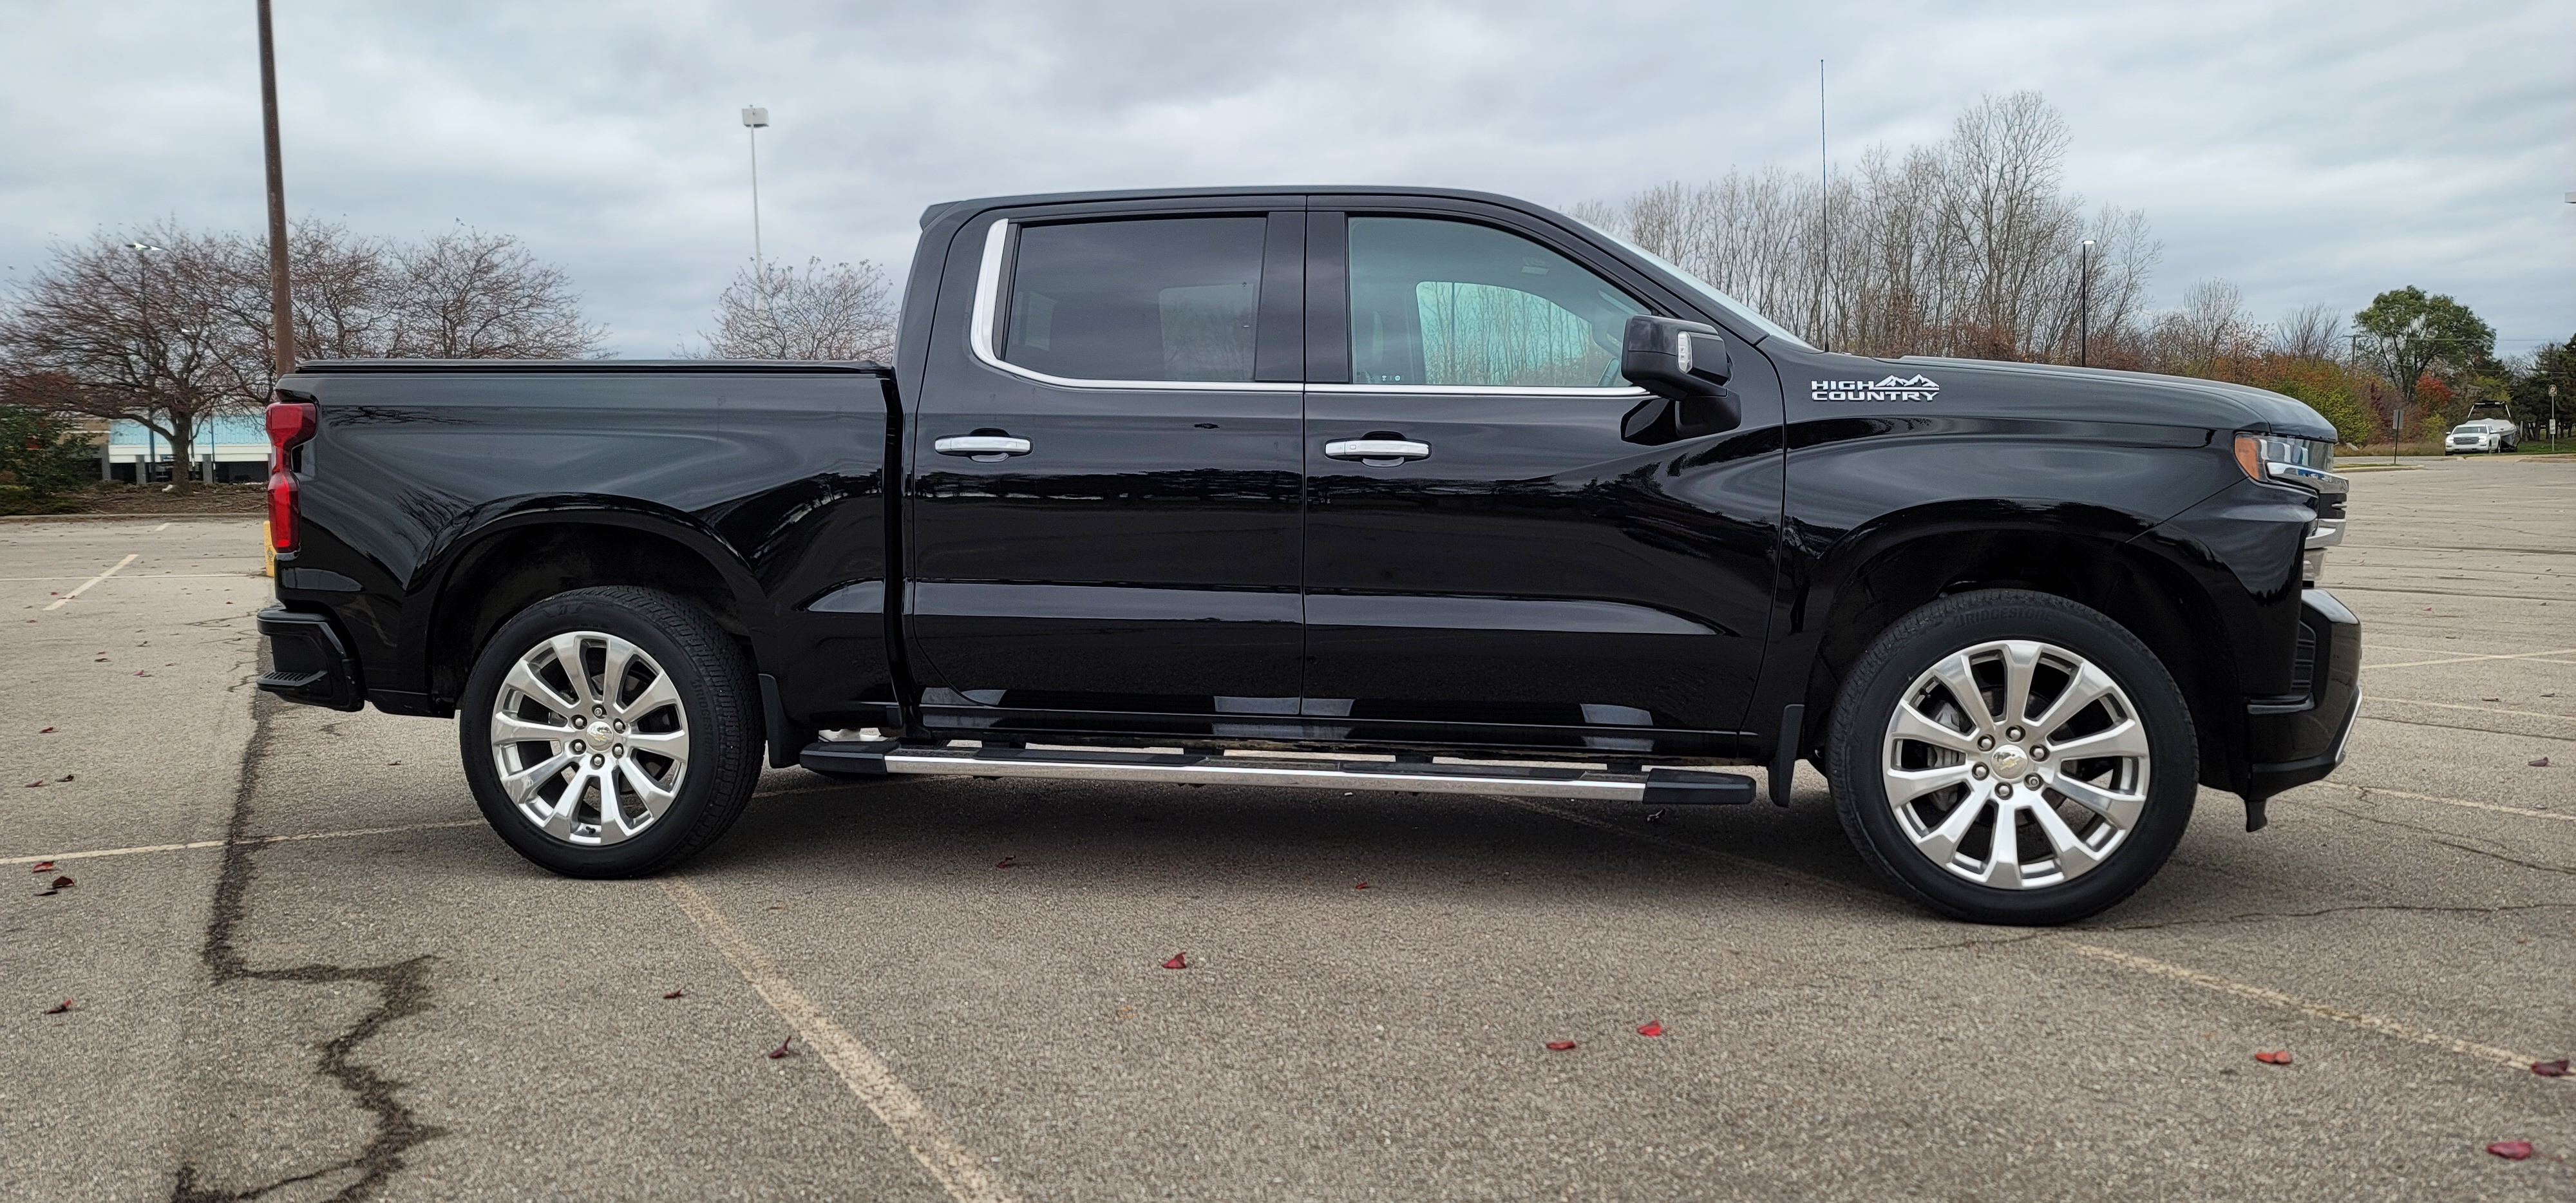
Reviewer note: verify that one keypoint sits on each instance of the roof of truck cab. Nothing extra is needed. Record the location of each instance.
(328, 367)
(935, 212)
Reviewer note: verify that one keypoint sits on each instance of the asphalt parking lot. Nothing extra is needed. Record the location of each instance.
(301, 968)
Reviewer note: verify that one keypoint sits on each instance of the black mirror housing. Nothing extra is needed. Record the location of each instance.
(1686, 365)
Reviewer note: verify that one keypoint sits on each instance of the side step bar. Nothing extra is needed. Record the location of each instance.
(1655, 786)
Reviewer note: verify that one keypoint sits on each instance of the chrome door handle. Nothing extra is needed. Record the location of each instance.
(1378, 453)
(984, 448)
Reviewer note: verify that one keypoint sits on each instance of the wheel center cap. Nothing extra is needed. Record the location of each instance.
(2009, 762)
(600, 732)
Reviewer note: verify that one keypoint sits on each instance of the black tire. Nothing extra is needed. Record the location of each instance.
(717, 699)
(1859, 739)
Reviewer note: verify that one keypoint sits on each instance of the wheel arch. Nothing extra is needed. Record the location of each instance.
(511, 562)
(1911, 560)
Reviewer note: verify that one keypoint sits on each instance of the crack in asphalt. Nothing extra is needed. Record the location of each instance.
(402, 991)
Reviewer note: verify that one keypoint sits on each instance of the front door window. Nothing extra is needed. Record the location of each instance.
(1447, 303)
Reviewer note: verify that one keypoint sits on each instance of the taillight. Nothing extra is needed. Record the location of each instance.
(290, 423)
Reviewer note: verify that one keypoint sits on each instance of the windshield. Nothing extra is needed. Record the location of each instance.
(1707, 291)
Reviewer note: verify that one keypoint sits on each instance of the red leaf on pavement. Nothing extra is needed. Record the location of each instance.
(673, 994)
(782, 1050)
(1560, 1046)
(2541, 763)
(46, 731)
(2550, 1069)
(1177, 962)
(60, 1007)
(140, 673)
(33, 784)
(1362, 886)
(62, 883)
(65, 777)
(1005, 862)
(2277, 1058)
(42, 866)
(1652, 1028)
(2511, 1150)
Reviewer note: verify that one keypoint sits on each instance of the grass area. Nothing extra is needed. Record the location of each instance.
(110, 497)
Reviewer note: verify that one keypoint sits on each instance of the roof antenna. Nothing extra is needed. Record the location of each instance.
(1824, 218)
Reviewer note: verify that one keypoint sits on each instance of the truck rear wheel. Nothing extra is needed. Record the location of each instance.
(610, 732)
(2013, 757)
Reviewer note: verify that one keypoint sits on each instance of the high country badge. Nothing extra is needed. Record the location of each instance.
(1910, 388)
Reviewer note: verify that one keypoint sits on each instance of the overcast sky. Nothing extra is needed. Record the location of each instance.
(2309, 152)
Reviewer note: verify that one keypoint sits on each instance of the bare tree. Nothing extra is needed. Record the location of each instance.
(132, 326)
(2210, 330)
(2312, 332)
(468, 294)
(843, 311)
(1969, 246)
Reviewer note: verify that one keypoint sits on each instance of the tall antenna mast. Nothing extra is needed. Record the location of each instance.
(1825, 218)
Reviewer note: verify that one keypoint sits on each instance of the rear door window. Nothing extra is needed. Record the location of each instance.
(1154, 299)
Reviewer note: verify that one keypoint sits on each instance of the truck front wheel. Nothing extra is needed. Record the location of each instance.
(610, 732)
(2013, 757)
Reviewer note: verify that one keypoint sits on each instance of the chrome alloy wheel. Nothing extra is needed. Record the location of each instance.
(590, 738)
(2016, 764)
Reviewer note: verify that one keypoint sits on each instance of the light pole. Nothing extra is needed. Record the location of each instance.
(2084, 305)
(754, 119)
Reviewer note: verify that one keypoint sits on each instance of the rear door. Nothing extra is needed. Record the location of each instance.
(1487, 558)
(1107, 473)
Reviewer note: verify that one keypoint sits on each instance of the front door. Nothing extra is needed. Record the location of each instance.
(1106, 495)
(1487, 559)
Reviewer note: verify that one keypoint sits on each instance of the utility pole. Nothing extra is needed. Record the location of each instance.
(754, 119)
(2084, 305)
(1824, 218)
(281, 311)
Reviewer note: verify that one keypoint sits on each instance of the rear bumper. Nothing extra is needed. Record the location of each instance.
(2293, 740)
(310, 663)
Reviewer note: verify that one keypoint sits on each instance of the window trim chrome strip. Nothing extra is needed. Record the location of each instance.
(979, 338)
(1477, 390)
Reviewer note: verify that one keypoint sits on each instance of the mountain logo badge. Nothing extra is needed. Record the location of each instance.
(1894, 388)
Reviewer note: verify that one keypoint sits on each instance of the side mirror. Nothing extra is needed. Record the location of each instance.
(1686, 366)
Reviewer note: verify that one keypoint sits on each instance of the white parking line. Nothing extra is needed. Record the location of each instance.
(2207, 981)
(265, 839)
(2564, 651)
(956, 1167)
(2287, 1002)
(2564, 718)
(2497, 807)
(84, 587)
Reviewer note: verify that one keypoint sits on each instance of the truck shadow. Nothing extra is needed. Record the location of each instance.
(1257, 841)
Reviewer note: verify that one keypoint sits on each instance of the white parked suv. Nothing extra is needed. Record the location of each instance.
(2484, 434)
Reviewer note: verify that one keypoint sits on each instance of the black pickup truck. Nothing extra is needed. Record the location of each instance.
(1371, 488)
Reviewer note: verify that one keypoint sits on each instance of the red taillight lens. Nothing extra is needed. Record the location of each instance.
(281, 511)
(289, 424)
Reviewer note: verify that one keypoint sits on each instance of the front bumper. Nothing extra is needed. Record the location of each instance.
(310, 663)
(2300, 737)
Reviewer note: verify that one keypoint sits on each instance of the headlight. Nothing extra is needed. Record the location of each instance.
(2303, 464)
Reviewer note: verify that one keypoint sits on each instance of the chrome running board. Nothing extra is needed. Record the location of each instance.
(1658, 786)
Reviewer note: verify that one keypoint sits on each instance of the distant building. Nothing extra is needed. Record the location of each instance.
(230, 448)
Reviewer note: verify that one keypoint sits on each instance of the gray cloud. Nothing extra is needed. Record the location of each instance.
(2311, 152)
